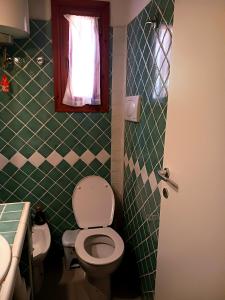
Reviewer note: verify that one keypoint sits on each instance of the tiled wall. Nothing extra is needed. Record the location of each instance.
(43, 154)
(148, 67)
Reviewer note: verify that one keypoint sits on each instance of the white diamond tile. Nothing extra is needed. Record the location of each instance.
(54, 158)
(87, 157)
(125, 160)
(153, 181)
(144, 175)
(36, 159)
(160, 186)
(3, 161)
(103, 156)
(131, 165)
(137, 168)
(18, 160)
(71, 158)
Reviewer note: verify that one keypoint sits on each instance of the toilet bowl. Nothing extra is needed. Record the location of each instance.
(99, 251)
(98, 247)
(41, 240)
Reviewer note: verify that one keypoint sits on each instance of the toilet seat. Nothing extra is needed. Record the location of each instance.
(108, 232)
(96, 245)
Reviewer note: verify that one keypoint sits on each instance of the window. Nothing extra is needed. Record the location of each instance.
(162, 57)
(83, 81)
(81, 55)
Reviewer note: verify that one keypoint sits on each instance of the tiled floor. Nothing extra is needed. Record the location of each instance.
(60, 284)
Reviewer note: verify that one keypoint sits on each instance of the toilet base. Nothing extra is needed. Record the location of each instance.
(98, 288)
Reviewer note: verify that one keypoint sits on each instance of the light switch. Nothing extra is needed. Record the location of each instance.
(132, 108)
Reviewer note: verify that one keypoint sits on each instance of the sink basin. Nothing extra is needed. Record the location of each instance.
(5, 258)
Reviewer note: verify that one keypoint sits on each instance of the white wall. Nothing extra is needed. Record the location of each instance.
(40, 10)
(122, 11)
(134, 7)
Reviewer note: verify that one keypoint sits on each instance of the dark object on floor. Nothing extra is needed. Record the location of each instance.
(74, 264)
(39, 218)
(125, 281)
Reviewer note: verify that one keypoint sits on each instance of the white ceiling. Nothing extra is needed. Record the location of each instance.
(122, 11)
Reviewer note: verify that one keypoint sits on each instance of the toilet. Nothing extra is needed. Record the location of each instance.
(98, 248)
(41, 240)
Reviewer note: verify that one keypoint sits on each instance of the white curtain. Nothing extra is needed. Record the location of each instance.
(83, 83)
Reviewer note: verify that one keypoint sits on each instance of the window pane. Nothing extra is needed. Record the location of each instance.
(83, 84)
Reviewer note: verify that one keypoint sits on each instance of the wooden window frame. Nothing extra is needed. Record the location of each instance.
(60, 39)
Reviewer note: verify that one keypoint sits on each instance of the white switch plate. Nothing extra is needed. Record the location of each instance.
(132, 108)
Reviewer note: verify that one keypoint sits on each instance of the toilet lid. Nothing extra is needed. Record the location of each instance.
(93, 202)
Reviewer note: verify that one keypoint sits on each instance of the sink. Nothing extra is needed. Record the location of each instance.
(5, 258)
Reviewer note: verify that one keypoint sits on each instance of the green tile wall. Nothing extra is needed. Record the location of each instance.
(148, 67)
(43, 154)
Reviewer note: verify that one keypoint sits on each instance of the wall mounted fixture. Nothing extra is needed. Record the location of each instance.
(6, 39)
(132, 108)
(18, 61)
(14, 20)
(10, 61)
(154, 22)
(40, 60)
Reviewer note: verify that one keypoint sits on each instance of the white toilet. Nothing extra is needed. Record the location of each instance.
(41, 240)
(98, 247)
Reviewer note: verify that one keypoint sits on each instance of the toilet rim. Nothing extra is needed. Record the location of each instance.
(108, 232)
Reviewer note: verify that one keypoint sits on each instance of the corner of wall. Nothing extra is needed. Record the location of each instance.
(118, 94)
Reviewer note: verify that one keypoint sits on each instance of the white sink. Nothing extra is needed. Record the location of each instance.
(5, 258)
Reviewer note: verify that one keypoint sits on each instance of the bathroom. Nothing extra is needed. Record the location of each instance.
(171, 54)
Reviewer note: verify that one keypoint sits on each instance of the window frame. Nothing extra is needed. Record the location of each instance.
(60, 42)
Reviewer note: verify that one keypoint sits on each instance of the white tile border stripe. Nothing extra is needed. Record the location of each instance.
(18, 160)
(3, 161)
(54, 158)
(143, 172)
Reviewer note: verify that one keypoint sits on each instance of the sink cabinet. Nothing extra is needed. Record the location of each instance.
(15, 227)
